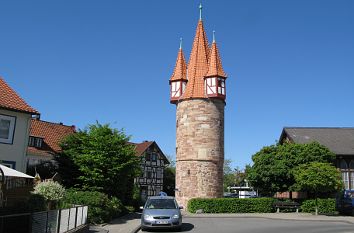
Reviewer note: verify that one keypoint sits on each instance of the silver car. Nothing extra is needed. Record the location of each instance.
(161, 212)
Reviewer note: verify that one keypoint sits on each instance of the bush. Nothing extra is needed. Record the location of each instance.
(231, 205)
(325, 206)
(50, 190)
(101, 207)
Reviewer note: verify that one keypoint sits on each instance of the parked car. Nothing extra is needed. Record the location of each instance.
(345, 204)
(230, 195)
(161, 212)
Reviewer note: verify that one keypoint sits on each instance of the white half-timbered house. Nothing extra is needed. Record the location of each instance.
(152, 164)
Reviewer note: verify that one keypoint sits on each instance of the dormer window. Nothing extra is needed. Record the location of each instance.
(177, 89)
(35, 142)
(215, 87)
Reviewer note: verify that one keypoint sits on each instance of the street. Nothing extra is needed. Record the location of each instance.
(260, 225)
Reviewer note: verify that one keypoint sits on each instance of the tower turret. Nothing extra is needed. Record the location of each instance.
(214, 80)
(178, 79)
(199, 120)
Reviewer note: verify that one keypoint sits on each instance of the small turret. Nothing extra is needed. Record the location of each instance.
(178, 80)
(215, 78)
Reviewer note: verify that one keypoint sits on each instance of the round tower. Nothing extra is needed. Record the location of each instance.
(199, 92)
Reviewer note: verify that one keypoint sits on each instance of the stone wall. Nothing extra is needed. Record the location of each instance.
(199, 149)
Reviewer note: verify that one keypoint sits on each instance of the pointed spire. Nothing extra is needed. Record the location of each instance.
(200, 11)
(215, 66)
(180, 71)
(197, 65)
(180, 43)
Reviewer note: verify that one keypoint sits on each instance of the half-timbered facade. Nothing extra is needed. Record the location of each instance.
(152, 164)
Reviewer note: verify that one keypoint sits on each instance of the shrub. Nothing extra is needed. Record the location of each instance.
(101, 207)
(50, 190)
(325, 206)
(231, 205)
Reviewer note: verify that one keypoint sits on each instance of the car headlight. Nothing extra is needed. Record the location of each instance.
(175, 216)
(148, 217)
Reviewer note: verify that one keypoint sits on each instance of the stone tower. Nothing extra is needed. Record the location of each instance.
(198, 90)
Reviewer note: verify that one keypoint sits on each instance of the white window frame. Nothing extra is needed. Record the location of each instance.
(11, 134)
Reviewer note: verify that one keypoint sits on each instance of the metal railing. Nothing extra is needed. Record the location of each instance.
(53, 221)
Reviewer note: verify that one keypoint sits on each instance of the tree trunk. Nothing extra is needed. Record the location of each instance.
(316, 211)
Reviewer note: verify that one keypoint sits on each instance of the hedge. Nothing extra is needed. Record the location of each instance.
(231, 205)
(101, 207)
(325, 206)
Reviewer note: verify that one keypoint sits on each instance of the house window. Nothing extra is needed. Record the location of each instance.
(7, 129)
(149, 174)
(351, 172)
(35, 142)
(9, 164)
(345, 174)
(147, 157)
(154, 157)
(159, 173)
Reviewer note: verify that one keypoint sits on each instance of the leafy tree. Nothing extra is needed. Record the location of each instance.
(240, 177)
(99, 158)
(169, 177)
(229, 175)
(272, 169)
(317, 177)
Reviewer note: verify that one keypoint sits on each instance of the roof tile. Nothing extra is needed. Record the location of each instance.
(180, 71)
(9, 99)
(52, 134)
(215, 66)
(197, 65)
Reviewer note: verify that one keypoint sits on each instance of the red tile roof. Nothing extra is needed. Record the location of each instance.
(215, 66)
(9, 99)
(140, 148)
(52, 134)
(180, 71)
(197, 65)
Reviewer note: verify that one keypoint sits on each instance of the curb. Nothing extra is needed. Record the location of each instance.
(136, 229)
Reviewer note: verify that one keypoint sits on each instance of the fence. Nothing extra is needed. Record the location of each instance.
(53, 221)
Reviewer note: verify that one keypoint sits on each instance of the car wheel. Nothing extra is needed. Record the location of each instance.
(143, 229)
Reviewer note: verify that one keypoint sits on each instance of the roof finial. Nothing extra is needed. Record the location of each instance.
(200, 11)
(180, 42)
(213, 36)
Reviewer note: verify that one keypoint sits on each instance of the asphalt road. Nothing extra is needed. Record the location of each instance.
(260, 225)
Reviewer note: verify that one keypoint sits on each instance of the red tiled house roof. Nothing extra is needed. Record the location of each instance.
(10, 100)
(52, 134)
(140, 148)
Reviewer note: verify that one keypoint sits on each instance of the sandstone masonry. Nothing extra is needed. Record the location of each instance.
(199, 149)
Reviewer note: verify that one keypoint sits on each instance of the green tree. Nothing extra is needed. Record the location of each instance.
(229, 175)
(169, 177)
(272, 169)
(99, 158)
(317, 177)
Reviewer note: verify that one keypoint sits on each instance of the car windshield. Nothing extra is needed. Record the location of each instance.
(160, 204)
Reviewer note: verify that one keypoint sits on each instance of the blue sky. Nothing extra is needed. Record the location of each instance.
(289, 62)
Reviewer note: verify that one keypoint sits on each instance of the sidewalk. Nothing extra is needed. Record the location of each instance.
(127, 224)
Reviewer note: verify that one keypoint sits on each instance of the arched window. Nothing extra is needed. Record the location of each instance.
(351, 174)
(345, 173)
